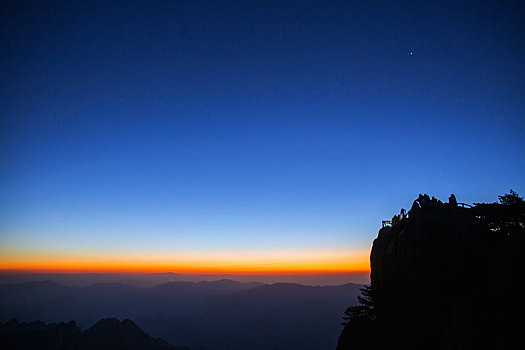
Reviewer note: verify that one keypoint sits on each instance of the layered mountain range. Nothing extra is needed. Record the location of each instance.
(222, 314)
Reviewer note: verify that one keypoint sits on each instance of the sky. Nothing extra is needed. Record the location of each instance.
(243, 137)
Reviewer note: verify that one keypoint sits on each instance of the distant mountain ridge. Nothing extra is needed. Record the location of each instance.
(220, 315)
(106, 334)
(153, 279)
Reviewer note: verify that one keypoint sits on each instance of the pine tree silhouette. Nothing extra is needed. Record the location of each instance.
(364, 310)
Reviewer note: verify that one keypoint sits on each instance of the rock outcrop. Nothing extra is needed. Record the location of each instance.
(106, 334)
(446, 277)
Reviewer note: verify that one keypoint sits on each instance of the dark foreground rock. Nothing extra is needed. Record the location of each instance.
(446, 277)
(106, 334)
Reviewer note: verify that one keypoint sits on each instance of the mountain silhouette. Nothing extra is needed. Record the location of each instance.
(219, 315)
(106, 334)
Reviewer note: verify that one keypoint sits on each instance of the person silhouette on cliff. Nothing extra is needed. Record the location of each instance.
(423, 200)
(452, 201)
(415, 207)
(395, 220)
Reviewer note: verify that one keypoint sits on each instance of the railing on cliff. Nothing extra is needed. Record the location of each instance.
(508, 220)
(428, 203)
(464, 205)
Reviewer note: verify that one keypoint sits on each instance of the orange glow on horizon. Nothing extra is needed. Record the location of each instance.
(185, 272)
(232, 263)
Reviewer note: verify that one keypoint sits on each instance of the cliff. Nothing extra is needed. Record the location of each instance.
(446, 277)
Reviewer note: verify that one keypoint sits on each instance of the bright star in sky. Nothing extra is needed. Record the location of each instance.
(227, 150)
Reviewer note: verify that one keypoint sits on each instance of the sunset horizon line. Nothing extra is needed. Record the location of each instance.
(179, 272)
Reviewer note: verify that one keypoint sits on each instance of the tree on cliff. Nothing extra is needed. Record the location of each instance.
(364, 310)
(506, 217)
(510, 198)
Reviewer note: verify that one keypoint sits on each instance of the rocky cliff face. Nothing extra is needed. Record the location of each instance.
(446, 277)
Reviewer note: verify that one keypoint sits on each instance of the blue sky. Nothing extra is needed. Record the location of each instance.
(139, 126)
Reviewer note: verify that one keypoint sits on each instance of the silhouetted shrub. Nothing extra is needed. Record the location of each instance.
(364, 310)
